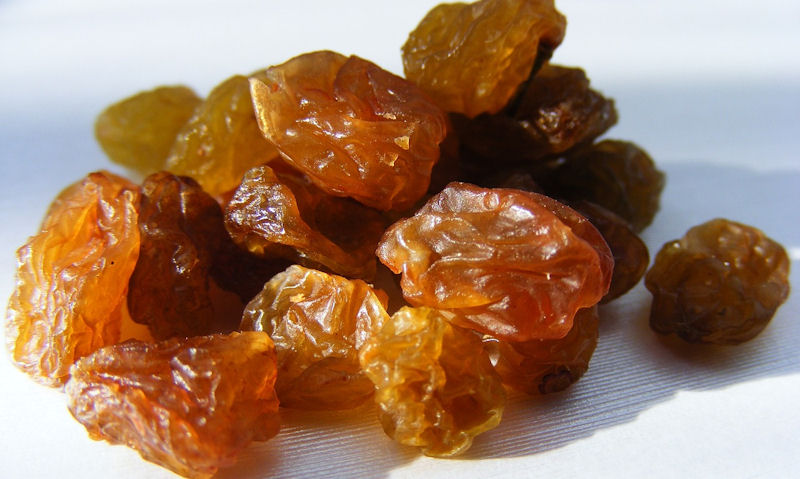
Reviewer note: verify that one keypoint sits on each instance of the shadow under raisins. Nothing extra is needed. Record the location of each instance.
(634, 369)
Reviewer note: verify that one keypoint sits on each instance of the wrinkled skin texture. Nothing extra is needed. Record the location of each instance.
(544, 366)
(190, 405)
(138, 132)
(278, 211)
(555, 112)
(434, 384)
(222, 140)
(72, 278)
(511, 264)
(471, 58)
(719, 284)
(318, 322)
(631, 257)
(616, 175)
(356, 130)
(182, 231)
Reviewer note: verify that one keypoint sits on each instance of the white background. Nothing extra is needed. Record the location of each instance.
(710, 88)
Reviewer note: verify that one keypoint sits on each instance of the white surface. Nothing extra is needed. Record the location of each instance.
(710, 88)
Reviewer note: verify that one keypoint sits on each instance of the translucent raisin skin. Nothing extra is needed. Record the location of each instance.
(471, 58)
(182, 231)
(222, 140)
(719, 284)
(278, 211)
(318, 322)
(72, 277)
(544, 366)
(356, 130)
(190, 405)
(434, 384)
(616, 175)
(555, 112)
(511, 264)
(138, 132)
(631, 256)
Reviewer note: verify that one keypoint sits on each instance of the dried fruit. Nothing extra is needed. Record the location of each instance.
(616, 175)
(512, 264)
(280, 212)
(555, 111)
(190, 405)
(434, 384)
(544, 366)
(630, 253)
(138, 132)
(721, 283)
(222, 140)
(318, 322)
(471, 58)
(72, 277)
(182, 231)
(354, 129)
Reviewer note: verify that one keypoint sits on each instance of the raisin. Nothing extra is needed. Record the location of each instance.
(222, 140)
(356, 130)
(471, 58)
(280, 212)
(631, 256)
(512, 264)
(72, 277)
(544, 366)
(555, 112)
(434, 384)
(719, 284)
(318, 322)
(182, 230)
(138, 132)
(616, 175)
(190, 405)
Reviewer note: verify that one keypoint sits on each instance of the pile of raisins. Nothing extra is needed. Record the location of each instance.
(242, 273)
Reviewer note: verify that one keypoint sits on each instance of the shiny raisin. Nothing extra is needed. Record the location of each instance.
(434, 384)
(721, 283)
(190, 405)
(72, 277)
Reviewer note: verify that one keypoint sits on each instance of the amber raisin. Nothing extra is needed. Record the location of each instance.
(72, 277)
(471, 58)
(280, 212)
(190, 405)
(434, 384)
(318, 322)
(138, 132)
(222, 140)
(555, 112)
(544, 366)
(721, 283)
(356, 130)
(512, 264)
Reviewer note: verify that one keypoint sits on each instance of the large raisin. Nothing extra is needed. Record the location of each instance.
(356, 130)
(512, 264)
(222, 140)
(72, 277)
(543, 366)
(471, 58)
(721, 283)
(555, 112)
(182, 231)
(616, 175)
(278, 211)
(318, 322)
(138, 132)
(434, 384)
(190, 405)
